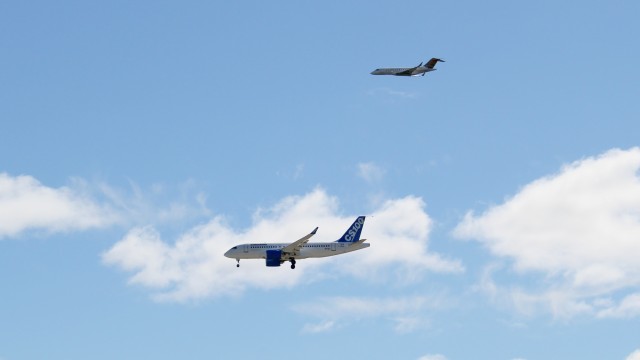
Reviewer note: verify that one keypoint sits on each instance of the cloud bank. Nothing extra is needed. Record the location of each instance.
(580, 229)
(193, 267)
(26, 204)
(634, 355)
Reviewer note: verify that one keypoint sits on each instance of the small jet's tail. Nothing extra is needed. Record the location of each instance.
(353, 233)
(432, 63)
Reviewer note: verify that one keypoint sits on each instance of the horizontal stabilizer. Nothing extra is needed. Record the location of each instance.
(358, 242)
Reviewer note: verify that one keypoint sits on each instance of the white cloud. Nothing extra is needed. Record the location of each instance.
(323, 326)
(433, 357)
(407, 324)
(628, 307)
(160, 204)
(26, 204)
(194, 266)
(580, 228)
(634, 355)
(405, 313)
(559, 300)
(370, 172)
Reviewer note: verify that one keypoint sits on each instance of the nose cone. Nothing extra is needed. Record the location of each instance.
(229, 253)
(375, 72)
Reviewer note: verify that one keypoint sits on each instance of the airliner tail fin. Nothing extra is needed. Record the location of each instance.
(432, 63)
(353, 233)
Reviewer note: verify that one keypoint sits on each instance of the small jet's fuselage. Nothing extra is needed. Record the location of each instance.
(414, 71)
(402, 71)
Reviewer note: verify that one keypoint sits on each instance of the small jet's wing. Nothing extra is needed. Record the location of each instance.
(391, 71)
(294, 247)
(407, 72)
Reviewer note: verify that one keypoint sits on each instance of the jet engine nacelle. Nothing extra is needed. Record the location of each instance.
(273, 257)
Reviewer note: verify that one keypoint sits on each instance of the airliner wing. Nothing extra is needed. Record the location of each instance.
(295, 246)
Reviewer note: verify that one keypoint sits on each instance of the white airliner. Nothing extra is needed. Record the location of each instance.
(276, 254)
(414, 71)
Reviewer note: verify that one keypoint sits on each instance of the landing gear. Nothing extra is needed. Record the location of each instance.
(238, 260)
(293, 263)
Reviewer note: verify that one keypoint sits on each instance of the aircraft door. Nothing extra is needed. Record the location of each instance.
(333, 246)
(245, 248)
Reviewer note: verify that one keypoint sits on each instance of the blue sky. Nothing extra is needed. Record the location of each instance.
(140, 140)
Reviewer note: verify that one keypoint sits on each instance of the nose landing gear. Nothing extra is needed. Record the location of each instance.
(238, 260)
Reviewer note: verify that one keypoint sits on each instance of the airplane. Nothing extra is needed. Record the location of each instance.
(414, 71)
(276, 254)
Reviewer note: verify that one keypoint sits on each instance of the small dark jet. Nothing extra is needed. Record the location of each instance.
(414, 71)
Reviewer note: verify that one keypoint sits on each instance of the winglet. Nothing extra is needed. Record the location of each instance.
(314, 231)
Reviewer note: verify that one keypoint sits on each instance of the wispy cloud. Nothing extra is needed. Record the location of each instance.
(391, 93)
(433, 357)
(561, 301)
(28, 205)
(297, 174)
(406, 314)
(159, 204)
(370, 172)
(323, 326)
(194, 267)
(294, 174)
(628, 307)
(580, 228)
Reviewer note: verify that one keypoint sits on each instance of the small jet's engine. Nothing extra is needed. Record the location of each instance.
(273, 257)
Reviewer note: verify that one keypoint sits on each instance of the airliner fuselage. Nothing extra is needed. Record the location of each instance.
(309, 250)
(277, 253)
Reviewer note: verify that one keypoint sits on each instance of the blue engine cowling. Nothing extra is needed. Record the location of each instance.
(273, 257)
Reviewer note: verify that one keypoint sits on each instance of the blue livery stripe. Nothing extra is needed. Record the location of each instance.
(353, 233)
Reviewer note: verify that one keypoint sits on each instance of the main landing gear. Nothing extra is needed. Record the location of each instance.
(293, 263)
